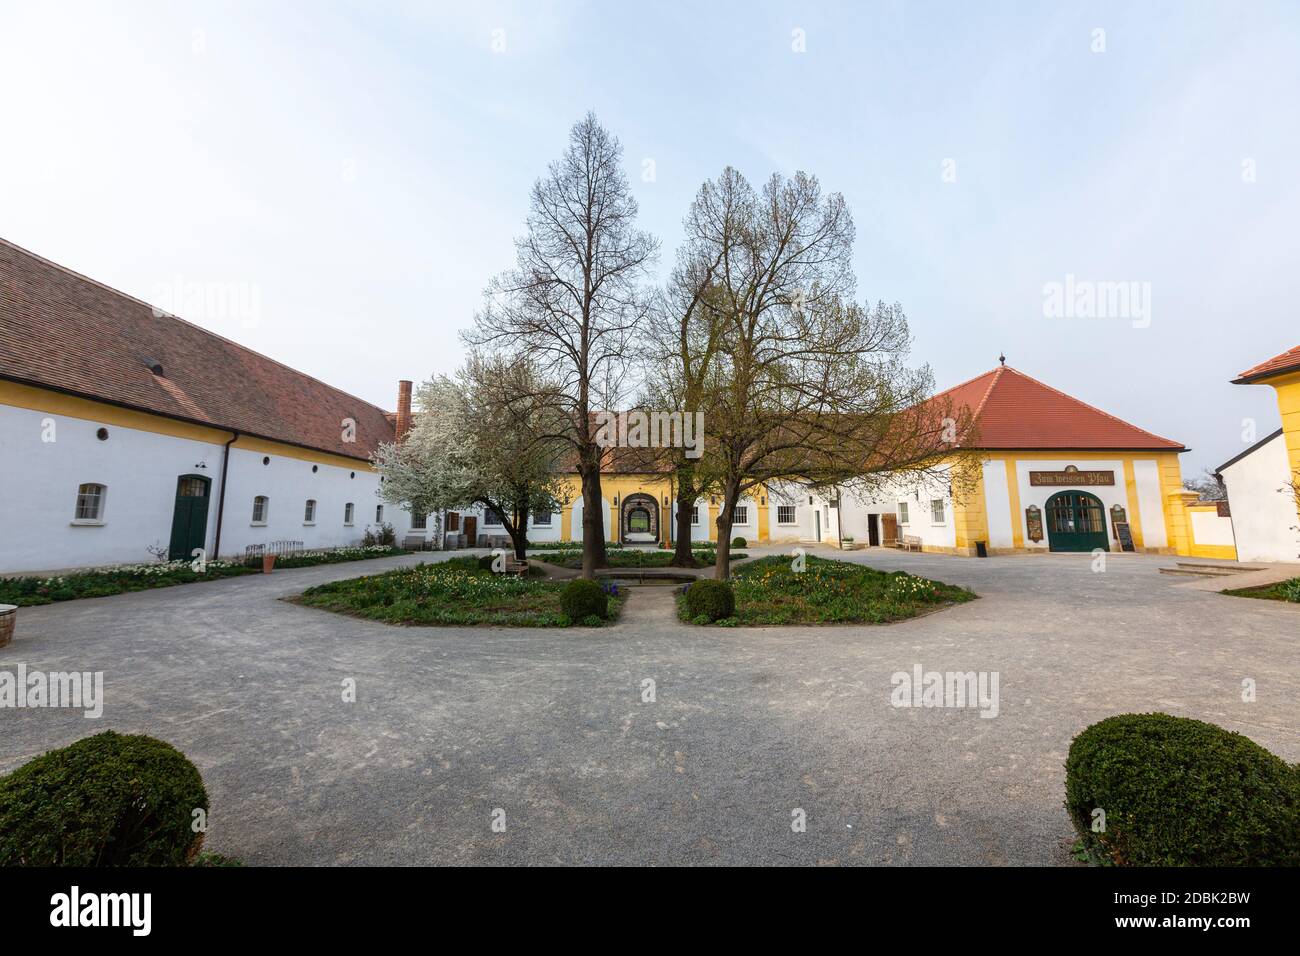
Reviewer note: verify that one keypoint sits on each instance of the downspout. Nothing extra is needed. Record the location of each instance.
(221, 499)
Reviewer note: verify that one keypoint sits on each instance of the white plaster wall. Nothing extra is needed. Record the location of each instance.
(1151, 503)
(576, 518)
(1209, 528)
(39, 481)
(1263, 516)
(997, 505)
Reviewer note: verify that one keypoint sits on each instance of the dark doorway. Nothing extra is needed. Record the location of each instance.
(817, 525)
(189, 517)
(873, 530)
(1076, 521)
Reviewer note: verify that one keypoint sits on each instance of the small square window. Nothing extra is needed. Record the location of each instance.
(785, 514)
(936, 511)
(90, 503)
(742, 515)
(418, 521)
(902, 512)
(492, 517)
(542, 519)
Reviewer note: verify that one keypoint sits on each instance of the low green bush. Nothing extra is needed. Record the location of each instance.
(581, 599)
(106, 800)
(710, 599)
(739, 543)
(1180, 792)
(485, 562)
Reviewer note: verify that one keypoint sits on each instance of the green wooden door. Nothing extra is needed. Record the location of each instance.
(1076, 521)
(190, 517)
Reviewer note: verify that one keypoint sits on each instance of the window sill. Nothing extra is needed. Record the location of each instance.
(257, 524)
(348, 524)
(87, 523)
(309, 524)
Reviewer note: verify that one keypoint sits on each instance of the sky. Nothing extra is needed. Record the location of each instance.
(333, 183)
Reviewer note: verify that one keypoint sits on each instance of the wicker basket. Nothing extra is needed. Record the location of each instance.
(8, 617)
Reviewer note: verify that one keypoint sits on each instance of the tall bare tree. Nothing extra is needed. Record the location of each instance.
(574, 298)
(814, 387)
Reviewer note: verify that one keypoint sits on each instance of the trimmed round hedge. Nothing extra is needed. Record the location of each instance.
(106, 800)
(582, 599)
(1181, 792)
(714, 600)
(739, 543)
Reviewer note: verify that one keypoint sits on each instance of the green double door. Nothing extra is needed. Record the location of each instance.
(1076, 521)
(190, 517)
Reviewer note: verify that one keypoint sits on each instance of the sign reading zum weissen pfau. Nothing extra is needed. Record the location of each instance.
(1071, 476)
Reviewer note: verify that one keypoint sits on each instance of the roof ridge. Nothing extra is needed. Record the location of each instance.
(1094, 408)
(160, 313)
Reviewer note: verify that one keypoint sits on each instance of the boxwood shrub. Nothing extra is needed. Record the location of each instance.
(710, 599)
(1181, 792)
(739, 543)
(106, 800)
(581, 599)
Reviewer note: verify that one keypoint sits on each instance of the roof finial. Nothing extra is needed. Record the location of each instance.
(1002, 359)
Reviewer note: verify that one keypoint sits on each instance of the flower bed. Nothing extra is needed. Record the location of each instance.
(1281, 591)
(119, 579)
(629, 557)
(454, 592)
(770, 591)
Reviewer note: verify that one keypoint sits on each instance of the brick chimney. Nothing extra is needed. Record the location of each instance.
(403, 408)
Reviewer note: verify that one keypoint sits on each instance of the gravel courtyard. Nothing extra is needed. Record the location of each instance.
(747, 726)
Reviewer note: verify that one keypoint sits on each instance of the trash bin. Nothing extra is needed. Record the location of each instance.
(981, 549)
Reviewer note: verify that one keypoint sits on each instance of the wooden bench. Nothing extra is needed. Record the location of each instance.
(515, 566)
(910, 542)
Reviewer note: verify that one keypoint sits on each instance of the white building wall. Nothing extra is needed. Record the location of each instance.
(1263, 513)
(1209, 528)
(39, 481)
(1151, 504)
(997, 505)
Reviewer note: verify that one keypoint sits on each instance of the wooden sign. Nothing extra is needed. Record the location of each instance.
(1125, 535)
(1071, 476)
(1034, 522)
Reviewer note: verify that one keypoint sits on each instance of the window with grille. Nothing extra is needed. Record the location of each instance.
(492, 517)
(936, 511)
(348, 510)
(90, 502)
(695, 515)
(309, 513)
(259, 509)
(542, 519)
(418, 521)
(785, 514)
(742, 515)
(902, 512)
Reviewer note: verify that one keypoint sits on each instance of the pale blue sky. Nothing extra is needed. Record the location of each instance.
(362, 168)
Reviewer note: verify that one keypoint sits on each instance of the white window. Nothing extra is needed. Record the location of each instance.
(348, 510)
(902, 512)
(742, 515)
(90, 503)
(542, 519)
(418, 521)
(259, 509)
(379, 514)
(785, 514)
(309, 513)
(936, 510)
(492, 517)
(695, 515)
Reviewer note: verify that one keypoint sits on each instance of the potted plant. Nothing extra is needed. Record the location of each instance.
(847, 543)
(8, 616)
(268, 562)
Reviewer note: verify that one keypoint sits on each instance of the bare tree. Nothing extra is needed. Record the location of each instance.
(574, 299)
(814, 387)
(1208, 485)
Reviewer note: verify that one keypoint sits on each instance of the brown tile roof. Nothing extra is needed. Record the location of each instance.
(1010, 410)
(1288, 361)
(63, 331)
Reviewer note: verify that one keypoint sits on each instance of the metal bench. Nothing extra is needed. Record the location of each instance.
(910, 542)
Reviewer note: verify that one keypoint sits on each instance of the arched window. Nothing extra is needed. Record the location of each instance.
(90, 503)
(309, 514)
(347, 513)
(259, 509)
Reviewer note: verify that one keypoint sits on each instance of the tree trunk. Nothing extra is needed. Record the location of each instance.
(519, 535)
(722, 567)
(593, 523)
(683, 557)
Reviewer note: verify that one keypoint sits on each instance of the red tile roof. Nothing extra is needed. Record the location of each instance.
(1288, 361)
(63, 331)
(1010, 410)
